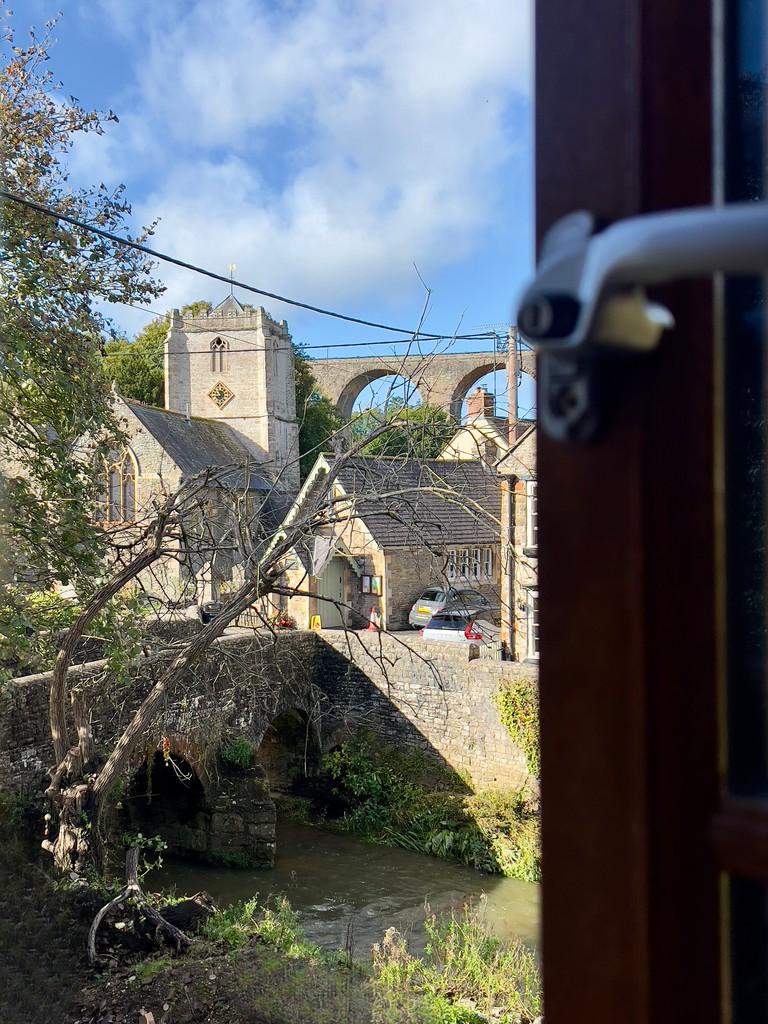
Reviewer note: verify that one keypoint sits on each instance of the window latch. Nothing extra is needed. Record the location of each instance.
(588, 298)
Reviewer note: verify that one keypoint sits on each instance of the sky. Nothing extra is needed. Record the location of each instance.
(336, 151)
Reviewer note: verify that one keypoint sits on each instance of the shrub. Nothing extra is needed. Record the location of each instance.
(518, 704)
(237, 753)
(492, 831)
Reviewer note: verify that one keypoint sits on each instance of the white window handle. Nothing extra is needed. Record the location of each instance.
(588, 294)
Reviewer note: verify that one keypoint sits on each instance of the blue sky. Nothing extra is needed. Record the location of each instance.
(324, 147)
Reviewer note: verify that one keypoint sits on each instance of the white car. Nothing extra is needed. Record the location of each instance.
(459, 628)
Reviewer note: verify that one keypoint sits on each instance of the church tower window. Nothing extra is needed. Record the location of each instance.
(219, 350)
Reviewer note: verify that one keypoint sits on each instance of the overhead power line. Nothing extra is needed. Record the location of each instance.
(198, 322)
(119, 240)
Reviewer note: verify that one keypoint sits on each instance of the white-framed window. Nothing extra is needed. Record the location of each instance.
(488, 563)
(531, 515)
(450, 566)
(219, 349)
(532, 624)
(469, 564)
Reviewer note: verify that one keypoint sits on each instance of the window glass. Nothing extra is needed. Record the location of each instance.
(744, 332)
(532, 624)
(115, 513)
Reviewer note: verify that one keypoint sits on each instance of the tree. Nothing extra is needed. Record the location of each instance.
(318, 419)
(54, 278)
(136, 367)
(419, 431)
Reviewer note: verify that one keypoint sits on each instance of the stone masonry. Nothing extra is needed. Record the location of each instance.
(440, 380)
(419, 696)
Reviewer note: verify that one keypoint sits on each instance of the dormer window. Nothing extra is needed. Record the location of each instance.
(219, 350)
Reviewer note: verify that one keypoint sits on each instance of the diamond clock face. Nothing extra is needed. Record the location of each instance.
(220, 394)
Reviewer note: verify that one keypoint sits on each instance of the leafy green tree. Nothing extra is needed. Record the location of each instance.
(416, 431)
(318, 419)
(136, 367)
(55, 277)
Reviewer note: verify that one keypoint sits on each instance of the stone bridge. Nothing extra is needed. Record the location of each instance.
(255, 725)
(443, 380)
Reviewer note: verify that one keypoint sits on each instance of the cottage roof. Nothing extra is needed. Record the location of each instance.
(196, 444)
(432, 502)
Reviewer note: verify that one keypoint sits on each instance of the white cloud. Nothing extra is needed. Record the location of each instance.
(323, 147)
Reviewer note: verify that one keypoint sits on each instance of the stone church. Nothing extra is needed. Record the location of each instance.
(229, 402)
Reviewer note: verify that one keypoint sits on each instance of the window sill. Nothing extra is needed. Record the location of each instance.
(531, 552)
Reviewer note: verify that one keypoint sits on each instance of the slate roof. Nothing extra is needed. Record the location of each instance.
(434, 502)
(196, 443)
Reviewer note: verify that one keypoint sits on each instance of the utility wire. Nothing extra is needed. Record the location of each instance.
(56, 215)
(206, 323)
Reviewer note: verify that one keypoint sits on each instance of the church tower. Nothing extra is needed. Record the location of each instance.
(235, 365)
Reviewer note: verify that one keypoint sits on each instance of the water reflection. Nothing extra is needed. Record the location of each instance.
(332, 880)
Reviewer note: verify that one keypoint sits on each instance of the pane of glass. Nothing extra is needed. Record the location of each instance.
(748, 913)
(745, 410)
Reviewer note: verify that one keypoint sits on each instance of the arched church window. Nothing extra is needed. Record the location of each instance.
(219, 349)
(118, 490)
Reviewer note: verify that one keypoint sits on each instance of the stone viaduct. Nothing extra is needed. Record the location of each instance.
(442, 380)
(260, 716)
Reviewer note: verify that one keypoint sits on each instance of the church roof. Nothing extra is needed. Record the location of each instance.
(196, 444)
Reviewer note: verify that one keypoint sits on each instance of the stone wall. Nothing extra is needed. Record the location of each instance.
(427, 697)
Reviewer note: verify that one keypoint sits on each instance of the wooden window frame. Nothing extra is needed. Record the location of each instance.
(627, 568)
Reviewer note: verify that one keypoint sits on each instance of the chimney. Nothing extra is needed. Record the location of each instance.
(480, 403)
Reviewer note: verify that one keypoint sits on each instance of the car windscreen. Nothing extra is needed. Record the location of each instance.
(431, 595)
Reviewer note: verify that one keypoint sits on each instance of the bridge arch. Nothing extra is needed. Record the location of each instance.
(168, 798)
(465, 384)
(355, 387)
(441, 379)
(289, 750)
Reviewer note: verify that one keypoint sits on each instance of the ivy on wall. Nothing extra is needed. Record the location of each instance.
(518, 704)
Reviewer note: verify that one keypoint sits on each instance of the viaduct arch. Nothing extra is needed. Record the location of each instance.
(442, 380)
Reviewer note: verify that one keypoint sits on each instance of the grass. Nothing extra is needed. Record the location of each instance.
(149, 969)
(466, 974)
(238, 925)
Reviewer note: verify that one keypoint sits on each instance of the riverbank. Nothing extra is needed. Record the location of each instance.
(396, 798)
(252, 964)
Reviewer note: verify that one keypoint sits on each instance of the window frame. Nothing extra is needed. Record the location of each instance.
(115, 477)
(629, 671)
(531, 515)
(219, 355)
(532, 639)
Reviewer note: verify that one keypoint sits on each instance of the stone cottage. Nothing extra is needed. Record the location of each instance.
(395, 526)
(483, 435)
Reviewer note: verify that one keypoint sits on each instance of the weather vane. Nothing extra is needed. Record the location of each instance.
(232, 269)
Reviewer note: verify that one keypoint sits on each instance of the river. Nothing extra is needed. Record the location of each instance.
(332, 880)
